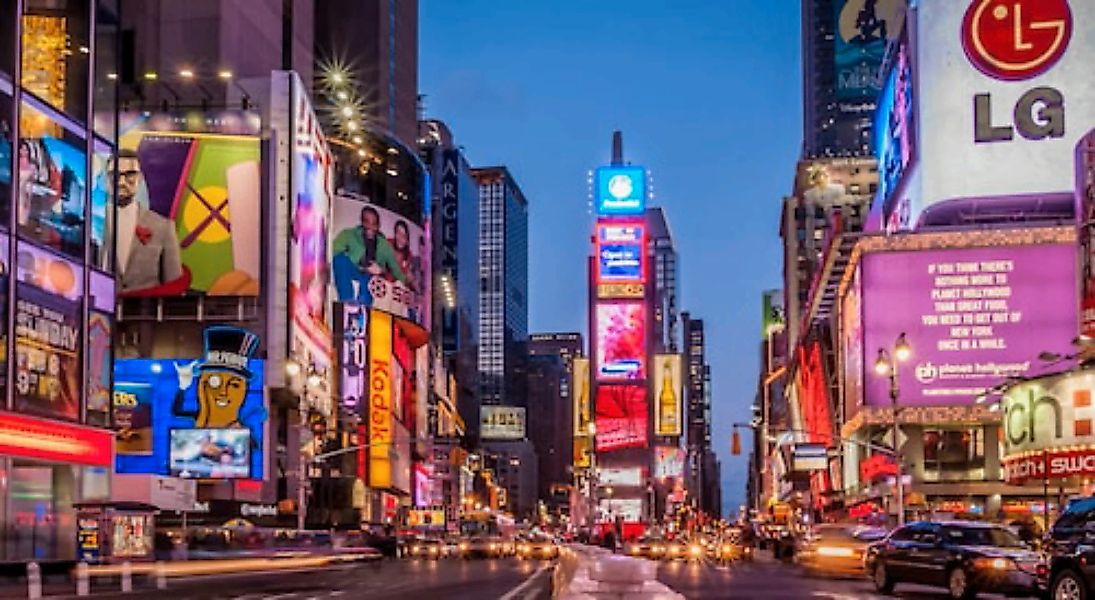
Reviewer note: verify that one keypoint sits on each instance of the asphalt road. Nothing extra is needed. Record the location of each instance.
(390, 579)
(769, 579)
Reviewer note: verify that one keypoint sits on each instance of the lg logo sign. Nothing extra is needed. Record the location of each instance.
(1015, 40)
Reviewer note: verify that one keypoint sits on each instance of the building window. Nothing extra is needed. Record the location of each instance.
(954, 449)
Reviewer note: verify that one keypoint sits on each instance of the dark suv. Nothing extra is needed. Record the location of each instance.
(965, 557)
(1072, 553)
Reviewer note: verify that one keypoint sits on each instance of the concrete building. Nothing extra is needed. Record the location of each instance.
(516, 471)
(666, 278)
(551, 412)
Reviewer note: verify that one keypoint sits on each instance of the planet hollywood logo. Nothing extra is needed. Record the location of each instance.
(1014, 40)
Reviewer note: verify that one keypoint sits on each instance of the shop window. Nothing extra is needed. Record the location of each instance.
(56, 52)
(953, 449)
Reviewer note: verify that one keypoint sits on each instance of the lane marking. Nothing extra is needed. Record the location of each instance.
(522, 591)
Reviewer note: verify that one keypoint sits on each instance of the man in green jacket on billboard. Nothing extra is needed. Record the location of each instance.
(360, 253)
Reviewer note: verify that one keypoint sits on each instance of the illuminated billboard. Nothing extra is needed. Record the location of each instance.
(380, 400)
(621, 341)
(210, 453)
(502, 423)
(1047, 423)
(973, 317)
(621, 417)
(352, 335)
(621, 252)
(813, 394)
(624, 476)
(851, 344)
(894, 145)
(189, 205)
(222, 390)
(380, 260)
(619, 191)
(862, 29)
(583, 409)
(668, 394)
(48, 350)
(668, 461)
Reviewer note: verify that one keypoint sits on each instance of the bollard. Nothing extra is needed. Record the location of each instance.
(127, 577)
(161, 575)
(34, 581)
(83, 580)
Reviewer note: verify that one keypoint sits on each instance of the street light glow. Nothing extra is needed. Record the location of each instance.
(882, 364)
(901, 350)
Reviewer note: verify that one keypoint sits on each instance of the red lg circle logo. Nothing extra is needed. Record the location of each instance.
(1016, 39)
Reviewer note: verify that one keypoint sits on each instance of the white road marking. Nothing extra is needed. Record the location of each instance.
(524, 590)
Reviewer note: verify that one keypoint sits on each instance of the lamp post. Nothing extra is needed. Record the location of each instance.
(886, 366)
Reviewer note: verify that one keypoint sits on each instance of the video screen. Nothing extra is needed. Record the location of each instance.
(210, 453)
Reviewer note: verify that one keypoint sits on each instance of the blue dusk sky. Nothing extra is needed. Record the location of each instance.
(707, 93)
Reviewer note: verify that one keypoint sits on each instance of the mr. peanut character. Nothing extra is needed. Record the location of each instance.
(223, 378)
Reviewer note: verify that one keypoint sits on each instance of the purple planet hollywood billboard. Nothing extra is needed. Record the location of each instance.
(973, 317)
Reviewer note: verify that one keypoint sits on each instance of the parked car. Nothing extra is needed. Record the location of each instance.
(1071, 553)
(836, 550)
(965, 557)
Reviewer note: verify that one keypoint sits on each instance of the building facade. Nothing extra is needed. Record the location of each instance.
(666, 279)
(551, 412)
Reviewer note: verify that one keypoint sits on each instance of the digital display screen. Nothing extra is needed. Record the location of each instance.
(620, 190)
(621, 417)
(621, 341)
(210, 453)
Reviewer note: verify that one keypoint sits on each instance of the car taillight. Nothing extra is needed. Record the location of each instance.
(1041, 570)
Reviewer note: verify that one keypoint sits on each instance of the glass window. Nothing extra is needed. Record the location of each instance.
(47, 353)
(55, 53)
(7, 36)
(107, 26)
(953, 449)
(6, 143)
(102, 206)
(52, 180)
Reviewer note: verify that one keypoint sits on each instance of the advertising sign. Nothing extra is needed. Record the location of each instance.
(380, 260)
(100, 366)
(628, 510)
(893, 139)
(773, 313)
(620, 191)
(1085, 213)
(222, 390)
(623, 476)
(1009, 100)
(813, 395)
(669, 392)
(583, 410)
(621, 252)
(810, 457)
(210, 453)
(28, 437)
(189, 202)
(352, 333)
(621, 341)
(380, 400)
(48, 271)
(502, 423)
(973, 316)
(47, 354)
(309, 262)
(583, 452)
(417, 517)
(668, 462)
(621, 417)
(851, 344)
(1048, 424)
(862, 29)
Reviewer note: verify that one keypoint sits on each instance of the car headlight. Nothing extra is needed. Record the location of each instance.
(433, 550)
(415, 549)
(696, 550)
(494, 546)
(835, 552)
(633, 550)
(994, 564)
(657, 549)
(727, 549)
(522, 548)
(463, 545)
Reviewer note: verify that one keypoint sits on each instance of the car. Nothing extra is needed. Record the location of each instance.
(426, 548)
(537, 546)
(836, 550)
(732, 546)
(1071, 552)
(965, 557)
(483, 547)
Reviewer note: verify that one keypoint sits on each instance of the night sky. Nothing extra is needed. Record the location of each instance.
(708, 96)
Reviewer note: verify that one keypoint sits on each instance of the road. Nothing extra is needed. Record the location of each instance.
(769, 579)
(398, 580)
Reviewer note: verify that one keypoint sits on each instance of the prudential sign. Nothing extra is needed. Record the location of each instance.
(620, 191)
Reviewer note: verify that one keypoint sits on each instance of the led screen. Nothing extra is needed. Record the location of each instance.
(621, 252)
(621, 417)
(668, 461)
(620, 190)
(862, 30)
(621, 341)
(972, 316)
(210, 453)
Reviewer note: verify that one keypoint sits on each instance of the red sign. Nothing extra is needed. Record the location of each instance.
(28, 437)
(860, 511)
(621, 417)
(1061, 464)
(877, 466)
(1016, 39)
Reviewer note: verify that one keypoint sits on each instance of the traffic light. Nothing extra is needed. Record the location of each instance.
(735, 443)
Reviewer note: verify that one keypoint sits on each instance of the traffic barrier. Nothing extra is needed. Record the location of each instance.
(34, 581)
(127, 577)
(83, 580)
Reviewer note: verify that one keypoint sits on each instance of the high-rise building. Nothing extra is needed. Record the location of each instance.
(374, 42)
(697, 375)
(842, 51)
(550, 410)
(666, 278)
(503, 287)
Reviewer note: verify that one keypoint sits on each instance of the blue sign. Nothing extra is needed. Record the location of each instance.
(620, 190)
(621, 262)
(222, 390)
(893, 140)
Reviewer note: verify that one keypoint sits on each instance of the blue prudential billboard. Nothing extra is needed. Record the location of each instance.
(620, 191)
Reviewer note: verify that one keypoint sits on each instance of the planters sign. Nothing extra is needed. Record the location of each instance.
(1048, 428)
(620, 191)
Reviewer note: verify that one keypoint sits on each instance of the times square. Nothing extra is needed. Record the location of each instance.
(482, 299)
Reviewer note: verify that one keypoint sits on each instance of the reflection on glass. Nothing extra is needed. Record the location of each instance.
(52, 182)
(107, 26)
(5, 157)
(55, 53)
(102, 253)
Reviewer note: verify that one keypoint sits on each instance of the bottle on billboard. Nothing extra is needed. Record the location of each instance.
(667, 401)
(583, 407)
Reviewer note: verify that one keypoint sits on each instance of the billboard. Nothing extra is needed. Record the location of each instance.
(893, 140)
(621, 252)
(210, 453)
(309, 262)
(352, 335)
(580, 383)
(1010, 98)
(810, 457)
(862, 29)
(625, 476)
(668, 462)
(621, 341)
(621, 417)
(380, 400)
(502, 423)
(973, 316)
(668, 394)
(773, 313)
(1047, 426)
(628, 510)
(48, 350)
(813, 394)
(583, 452)
(619, 191)
(156, 400)
(189, 205)
(380, 260)
(851, 344)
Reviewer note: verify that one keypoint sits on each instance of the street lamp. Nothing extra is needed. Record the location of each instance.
(886, 366)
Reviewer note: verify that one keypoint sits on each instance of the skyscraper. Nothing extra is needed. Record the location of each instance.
(503, 287)
(666, 277)
(550, 409)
